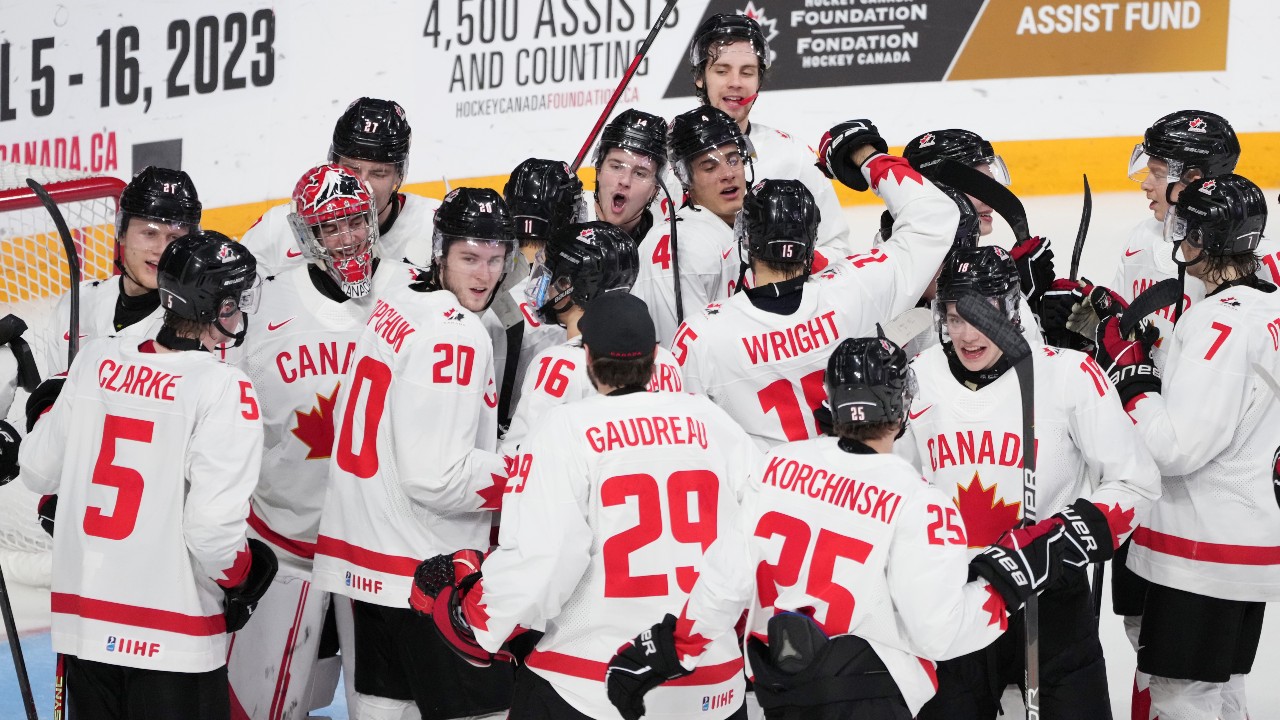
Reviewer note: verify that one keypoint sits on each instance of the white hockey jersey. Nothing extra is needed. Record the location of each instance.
(561, 377)
(415, 472)
(862, 543)
(537, 336)
(153, 457)
(709, 263)
(969, 444)
(276, 247)
(612, 505)
(766, 369)
(780, 156)
(1214, 431)
(97, 319)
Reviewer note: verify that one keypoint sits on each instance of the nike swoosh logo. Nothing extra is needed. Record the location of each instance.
(293, 253)
(913, 416)
(277, 326)
(726, 252)
(67, 336)
(1131, 253)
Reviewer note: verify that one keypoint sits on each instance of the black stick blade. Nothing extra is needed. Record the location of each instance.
(980, 313)
(1086, 214)
(1161, 295)
(975, 183)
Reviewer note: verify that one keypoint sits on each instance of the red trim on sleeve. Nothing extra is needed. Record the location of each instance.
(931, 670)
(305, 550)
(595, 670)
(1206, 551)
(239, 570)
(134, 616)
(370, 559)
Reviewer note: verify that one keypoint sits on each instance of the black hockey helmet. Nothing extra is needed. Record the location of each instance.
(986, 270)
(207, 275)
(925, 152)
(159, 194)
(1222, 215)
(472, 215)
(1187, 140)
(581, 262)
(869, 381)
(374, 130)
(701, 130)
(637, 131)
(779, 223)
(726, 28)
(543, 196)
(969, 227)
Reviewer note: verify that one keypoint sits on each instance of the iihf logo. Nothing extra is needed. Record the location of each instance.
(926, 140)
(348, 579)
(1197, 125)
(1208, 187)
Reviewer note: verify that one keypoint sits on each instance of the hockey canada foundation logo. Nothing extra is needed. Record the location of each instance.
(130, 646)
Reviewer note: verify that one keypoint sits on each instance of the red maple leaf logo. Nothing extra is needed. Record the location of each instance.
(995, 605)
(886, 166)
(1120, 522)
(473, 609)
(985, 517)
(688, 643)
(492, 494)
(315, 427)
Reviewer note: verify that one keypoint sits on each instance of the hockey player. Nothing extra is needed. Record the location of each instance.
(629, 162)
(415, 470)
(151, 573)
(729, 58)
(709, 155)
(761, 353)
(812, 650)
(582, 262)
(371, 140)
(965, 434)
(156, 207)
(310, 320)
(1208, 548)
(615, 500)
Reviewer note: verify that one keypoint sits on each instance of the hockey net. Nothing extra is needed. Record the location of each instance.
(33, 275)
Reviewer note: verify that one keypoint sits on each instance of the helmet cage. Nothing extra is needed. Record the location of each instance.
(334, 220)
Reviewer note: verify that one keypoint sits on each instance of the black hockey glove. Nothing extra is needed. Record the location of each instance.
(644, 664)
(1023, 562)
(835, 152)
(243, 599)
(1034, 260)
(11, 329)
(43, 398)
(440, 587)
(1127, 360)
(1275, 475)
(48, 512)
(10, 441)
(1087, 534)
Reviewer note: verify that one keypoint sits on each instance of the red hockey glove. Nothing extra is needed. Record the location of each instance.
(642, 665)
(436, 573)
(43, 398)
(1086, 532)
(440, 587)
(1034, 260)
(1126, 361)
(1023, 562)
(836, 150)
(10, 441)
(48, 512)
(242, 600)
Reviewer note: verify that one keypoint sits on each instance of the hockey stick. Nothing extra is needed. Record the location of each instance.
(908, 325)
(622, 84)
(73, 265)
(1086, 214)
(980, 313)
(982, 186)
(1161, 295)
(675, 249)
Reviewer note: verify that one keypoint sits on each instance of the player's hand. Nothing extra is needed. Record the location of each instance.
(43, 398)
(243, 599)
(1056, 307)
(436, 573)
(1086, 532)
(642, 665)
(835, 152)
(1034, 260)
(1127, 360)
(1023, 562)
(10, 441)
(440, 588)
(47, 510)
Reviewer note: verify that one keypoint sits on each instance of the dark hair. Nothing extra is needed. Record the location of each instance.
(863, 432)
(183, 327)
(791, 269)
(622, 373)
(1220, 268)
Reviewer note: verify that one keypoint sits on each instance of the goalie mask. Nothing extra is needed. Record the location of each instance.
(335, 222)
(987, 271)
(207, 277)
(869, 382)
(1219, 216)
(581, 262)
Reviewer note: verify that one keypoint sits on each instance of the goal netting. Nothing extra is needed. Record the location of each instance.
(33, 275)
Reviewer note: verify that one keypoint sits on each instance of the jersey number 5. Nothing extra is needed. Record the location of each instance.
(119, 523)
(700, 486)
